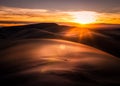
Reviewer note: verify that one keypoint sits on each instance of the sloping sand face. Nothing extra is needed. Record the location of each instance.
(57, 62)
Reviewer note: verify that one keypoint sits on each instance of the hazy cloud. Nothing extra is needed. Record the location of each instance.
(43, 15)
(13, 10)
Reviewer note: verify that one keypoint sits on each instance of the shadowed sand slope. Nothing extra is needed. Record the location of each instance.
(106, 39)
(52, 62)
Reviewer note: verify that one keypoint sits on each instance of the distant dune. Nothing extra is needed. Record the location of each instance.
(104, 39)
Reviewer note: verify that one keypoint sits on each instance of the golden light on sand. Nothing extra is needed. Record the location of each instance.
(80, 33)
(84, 17)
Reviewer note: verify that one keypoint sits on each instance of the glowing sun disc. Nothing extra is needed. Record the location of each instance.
(84, 17)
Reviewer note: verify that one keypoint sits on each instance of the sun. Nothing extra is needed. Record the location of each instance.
(84, 17)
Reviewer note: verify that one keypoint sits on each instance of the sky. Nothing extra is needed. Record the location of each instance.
(20, 11)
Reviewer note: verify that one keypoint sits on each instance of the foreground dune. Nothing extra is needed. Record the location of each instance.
(52, 62)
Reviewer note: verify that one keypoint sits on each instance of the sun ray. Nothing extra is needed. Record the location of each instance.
(80, 33)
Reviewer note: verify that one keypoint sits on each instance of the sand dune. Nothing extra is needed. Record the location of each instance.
(57, 62)
(41, 55)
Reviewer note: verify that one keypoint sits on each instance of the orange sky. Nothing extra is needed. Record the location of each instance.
(42, 15)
